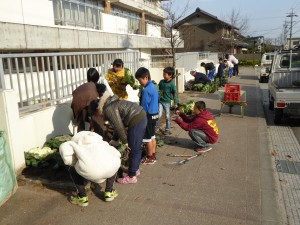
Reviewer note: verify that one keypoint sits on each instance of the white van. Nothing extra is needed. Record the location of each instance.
(265, 66)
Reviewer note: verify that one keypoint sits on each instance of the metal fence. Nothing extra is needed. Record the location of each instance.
(43, 79)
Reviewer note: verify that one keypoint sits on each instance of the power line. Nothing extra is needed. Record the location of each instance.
(266, 18)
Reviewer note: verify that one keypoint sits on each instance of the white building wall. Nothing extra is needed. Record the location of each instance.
(153, 30)
(113, 24)
(33, 129)
(157, 75)
(34, 12)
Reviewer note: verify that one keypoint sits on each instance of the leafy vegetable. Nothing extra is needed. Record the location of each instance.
(38, 156)
(55, 142)
(187, 108)
(296, 82)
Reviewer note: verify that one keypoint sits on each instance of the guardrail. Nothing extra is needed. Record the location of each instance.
(43, 79)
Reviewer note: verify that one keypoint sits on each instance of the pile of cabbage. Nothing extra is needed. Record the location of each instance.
(46, 155)
(187, 108)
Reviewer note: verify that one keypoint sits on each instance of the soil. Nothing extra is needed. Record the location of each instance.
(60, 174)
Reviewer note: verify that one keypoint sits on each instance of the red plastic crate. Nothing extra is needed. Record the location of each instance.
(232, 93)
(232, 97)
(232, 88)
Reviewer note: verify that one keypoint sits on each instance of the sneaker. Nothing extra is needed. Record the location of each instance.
(148, 161)
(109, 196)
(205, 149)
(84, 201)
(127, 180)
(167, 132)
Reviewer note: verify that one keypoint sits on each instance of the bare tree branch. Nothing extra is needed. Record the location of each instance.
(173, 16)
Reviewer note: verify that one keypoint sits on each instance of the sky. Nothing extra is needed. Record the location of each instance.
(265, 17)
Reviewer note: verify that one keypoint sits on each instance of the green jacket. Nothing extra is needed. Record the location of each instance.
(167, 91)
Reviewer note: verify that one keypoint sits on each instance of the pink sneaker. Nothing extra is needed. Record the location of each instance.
(127, 180)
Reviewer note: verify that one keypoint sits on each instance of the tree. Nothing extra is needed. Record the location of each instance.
(173, 16)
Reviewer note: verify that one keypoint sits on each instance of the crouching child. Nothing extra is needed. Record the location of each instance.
(90, 159)
(201, 127)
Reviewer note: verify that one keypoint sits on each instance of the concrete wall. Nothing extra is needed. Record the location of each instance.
(31, 130)
(30, 25)
(157, 75)
(27, 37)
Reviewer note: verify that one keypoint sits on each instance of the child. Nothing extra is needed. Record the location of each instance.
(123, 114)
(211, 68)
(82, 97)
(220, 72)
(202, 128)
(118, 77)
(235, 63)
(167, 91)
(230, 66)
(86, 155)
(149, 102)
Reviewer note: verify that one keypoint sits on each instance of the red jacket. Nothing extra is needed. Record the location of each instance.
(203, 121)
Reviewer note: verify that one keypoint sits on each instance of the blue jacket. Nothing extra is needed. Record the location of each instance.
(150, 98)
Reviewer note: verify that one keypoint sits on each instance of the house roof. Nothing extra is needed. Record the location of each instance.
(203, 18)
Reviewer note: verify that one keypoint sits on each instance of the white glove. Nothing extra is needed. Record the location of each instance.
(114, 143)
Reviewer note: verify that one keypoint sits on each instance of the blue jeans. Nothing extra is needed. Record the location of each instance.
(165, 106)
(199, 137)
(230, 70)
(135, 139)
(211, 74)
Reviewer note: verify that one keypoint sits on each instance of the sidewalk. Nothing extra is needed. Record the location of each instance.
(232, 184)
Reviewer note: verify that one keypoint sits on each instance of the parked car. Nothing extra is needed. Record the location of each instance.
(284, 85)
(266, 61)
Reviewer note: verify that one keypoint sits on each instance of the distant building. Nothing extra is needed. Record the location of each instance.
(295, 43)
(202, 31)
(256, 43)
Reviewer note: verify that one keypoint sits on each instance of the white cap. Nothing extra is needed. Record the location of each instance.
(192, 70)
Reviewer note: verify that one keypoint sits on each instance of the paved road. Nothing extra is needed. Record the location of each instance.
(284, 140)
(233, 184)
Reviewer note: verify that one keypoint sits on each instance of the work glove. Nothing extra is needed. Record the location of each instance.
(114, 143)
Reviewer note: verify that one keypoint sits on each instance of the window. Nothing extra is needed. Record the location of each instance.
(84, 13)
(133, 18)
(285, 61)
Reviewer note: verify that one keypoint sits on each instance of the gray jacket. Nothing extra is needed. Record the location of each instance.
(119, 113)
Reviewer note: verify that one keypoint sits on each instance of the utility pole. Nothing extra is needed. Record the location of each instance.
(292, 14)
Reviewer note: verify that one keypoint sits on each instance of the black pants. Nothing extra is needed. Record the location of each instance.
(235, 69)
(79, 182)
(84, 117)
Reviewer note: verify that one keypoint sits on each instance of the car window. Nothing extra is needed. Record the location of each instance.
(285, 61)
